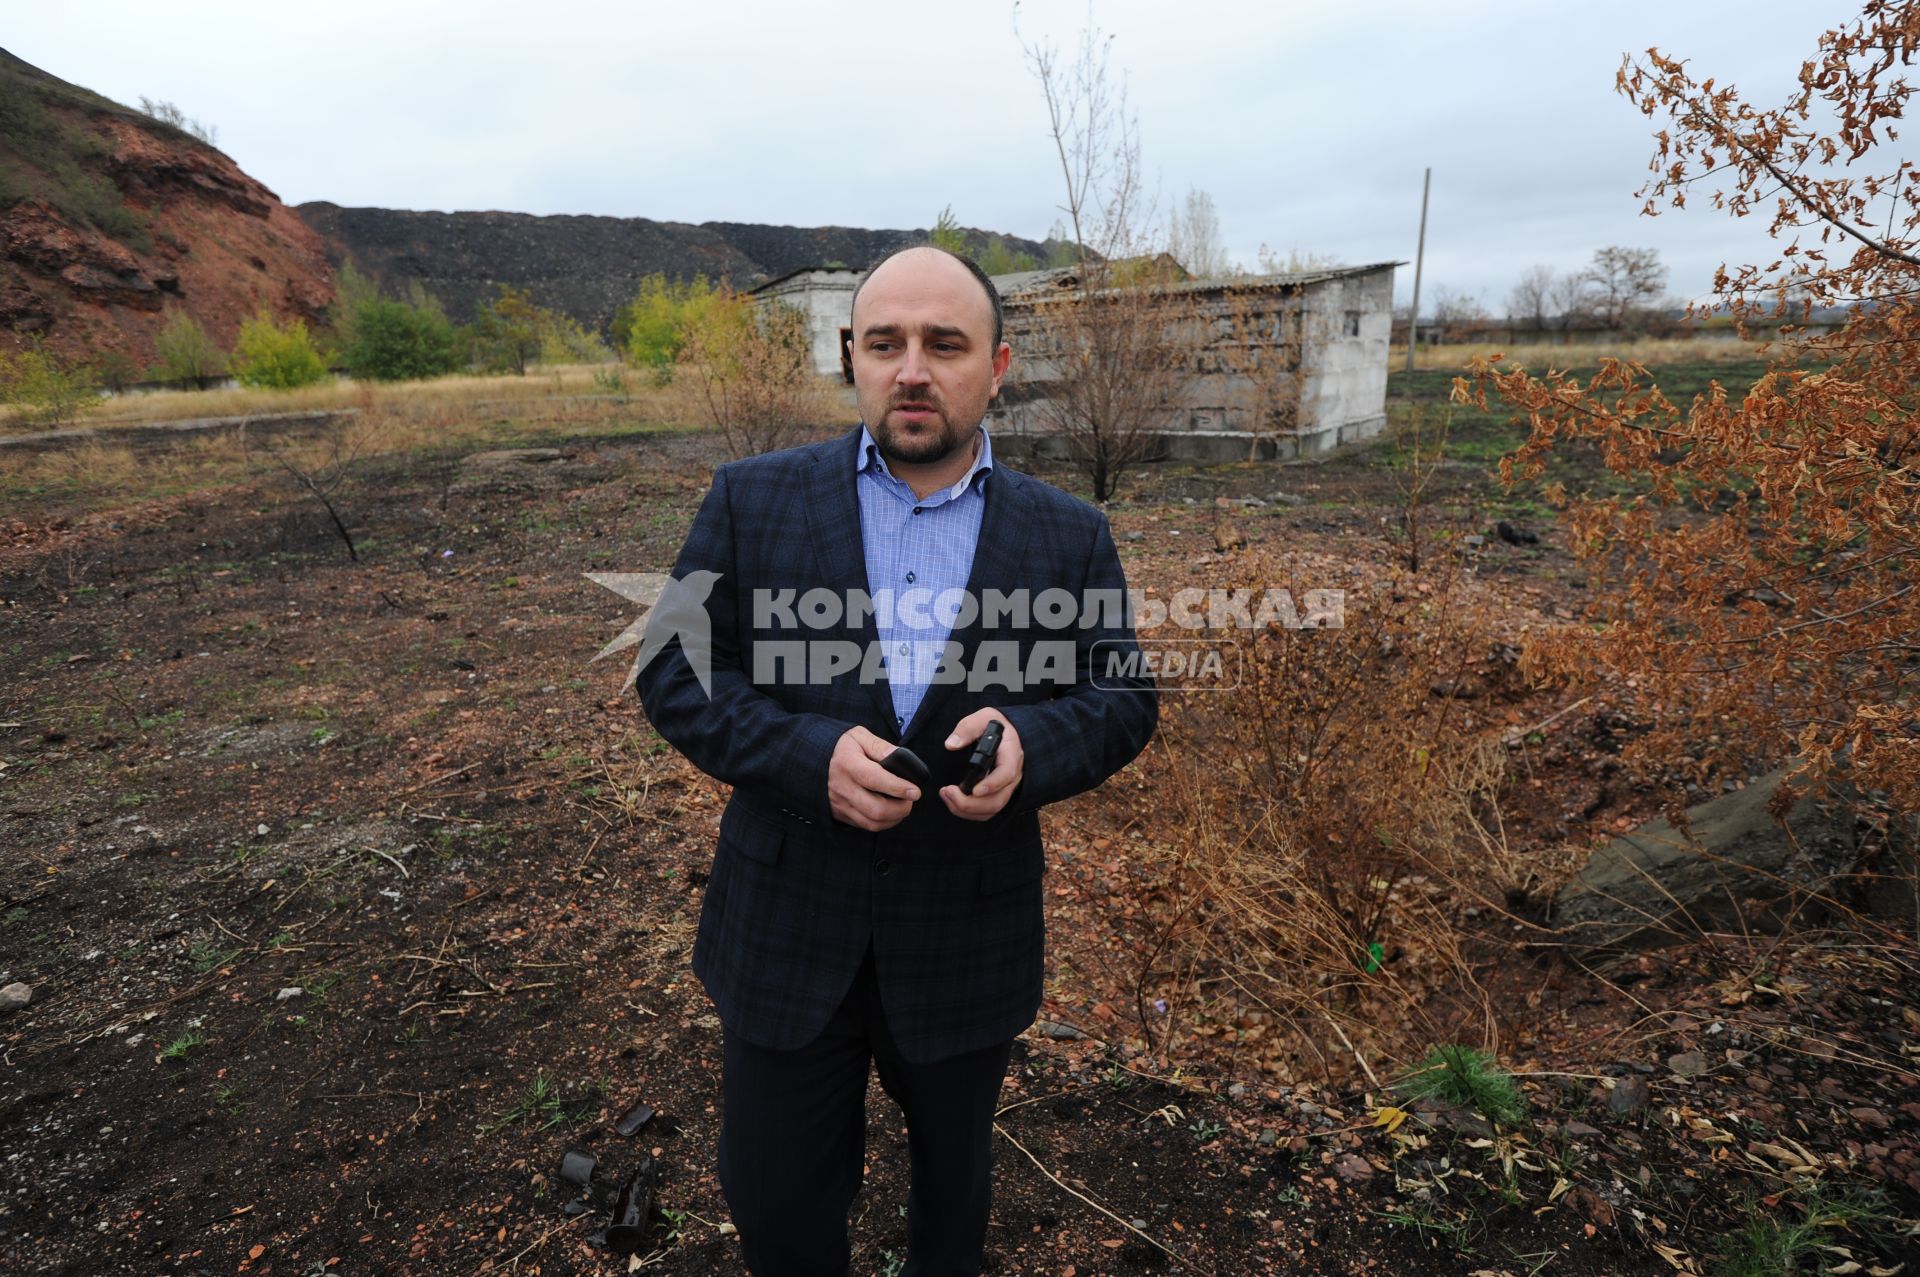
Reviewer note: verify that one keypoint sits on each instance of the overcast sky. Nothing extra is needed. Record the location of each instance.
(1307, 122)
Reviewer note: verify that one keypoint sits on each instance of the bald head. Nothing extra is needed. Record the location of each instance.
(927, 360)
(924, 261)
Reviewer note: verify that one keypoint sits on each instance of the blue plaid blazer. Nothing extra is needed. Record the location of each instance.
(952, 907)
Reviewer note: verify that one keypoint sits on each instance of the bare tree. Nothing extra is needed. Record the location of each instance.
(1627, 283)
(1116, 348)
(1456, 313)
(1194, 239)
(1295, 261)
(1113, 366)
(321, 470)
(1530, 304)
(1570, 296)
(1096, 137)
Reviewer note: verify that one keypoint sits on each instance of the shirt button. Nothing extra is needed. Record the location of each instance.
(883, 867)
(911, 578)
(916, 509)
(903, 649)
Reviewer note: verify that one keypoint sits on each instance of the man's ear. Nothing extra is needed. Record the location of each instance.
(1002, 360)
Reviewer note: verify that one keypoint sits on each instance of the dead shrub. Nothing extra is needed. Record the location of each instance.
(1341, 811)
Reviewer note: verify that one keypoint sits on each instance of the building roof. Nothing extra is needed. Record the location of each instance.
(1028, 282)
(804, 270)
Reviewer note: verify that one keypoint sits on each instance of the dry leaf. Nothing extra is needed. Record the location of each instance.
(1389, 1116)
(1680, 1261)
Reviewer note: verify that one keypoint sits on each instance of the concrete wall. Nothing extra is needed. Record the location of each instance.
(1330, 332)
(1343, 395)
(825, 296)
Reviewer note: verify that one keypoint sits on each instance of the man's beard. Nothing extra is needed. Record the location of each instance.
(926, 447)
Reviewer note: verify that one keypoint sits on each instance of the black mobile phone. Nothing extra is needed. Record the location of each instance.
(980, 761)
(907, 765)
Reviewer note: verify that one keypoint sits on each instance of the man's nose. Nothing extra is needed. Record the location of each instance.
(913, 366)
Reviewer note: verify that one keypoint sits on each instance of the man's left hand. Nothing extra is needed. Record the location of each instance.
(1009, 765)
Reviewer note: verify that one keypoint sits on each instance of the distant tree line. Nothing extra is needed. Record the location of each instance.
(1621, 290)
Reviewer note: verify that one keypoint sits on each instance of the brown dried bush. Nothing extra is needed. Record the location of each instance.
(1341, 812)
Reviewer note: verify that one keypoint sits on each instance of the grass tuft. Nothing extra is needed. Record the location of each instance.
(1466, 1078)
(1767, 1245)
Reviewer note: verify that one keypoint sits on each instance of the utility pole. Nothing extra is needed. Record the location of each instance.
(1419, 262)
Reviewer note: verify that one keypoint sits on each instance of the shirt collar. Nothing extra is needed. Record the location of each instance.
(868, 455)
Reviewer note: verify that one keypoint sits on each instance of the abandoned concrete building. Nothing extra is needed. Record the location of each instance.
(824, 294)
(1316, 344)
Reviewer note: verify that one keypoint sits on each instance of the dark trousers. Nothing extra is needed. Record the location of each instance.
(793, 1132)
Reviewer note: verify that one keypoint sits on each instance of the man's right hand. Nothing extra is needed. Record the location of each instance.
(860, 791)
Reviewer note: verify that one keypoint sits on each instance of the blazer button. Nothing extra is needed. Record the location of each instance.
(881, 867)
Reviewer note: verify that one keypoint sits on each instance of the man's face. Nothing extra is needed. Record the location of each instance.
(924, 363)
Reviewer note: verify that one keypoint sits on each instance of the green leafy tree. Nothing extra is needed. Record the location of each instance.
(652, 329)
(44, 389)
(947, 234)
(395, 341)
(1000, 259)
(270, 355)
(351, 291)
(565, 340)
(187, 354)
(506, 334)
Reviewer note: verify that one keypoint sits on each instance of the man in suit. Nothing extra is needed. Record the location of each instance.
(851, 917)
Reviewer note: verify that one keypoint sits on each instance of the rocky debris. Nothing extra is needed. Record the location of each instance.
(1688, 1063)
(1352, 1168)
(92, 267)
(152, 169)
(15, 996)
(1630, 1095)
(1656, 885)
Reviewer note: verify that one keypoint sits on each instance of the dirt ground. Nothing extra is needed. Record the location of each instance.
(352, 896)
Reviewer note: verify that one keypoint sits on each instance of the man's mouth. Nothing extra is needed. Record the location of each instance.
(915, 410)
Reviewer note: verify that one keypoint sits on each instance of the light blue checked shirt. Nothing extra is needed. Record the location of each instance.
(921, 550)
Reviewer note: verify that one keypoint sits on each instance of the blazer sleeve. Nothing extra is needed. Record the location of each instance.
(1089, 730)
(742, 735)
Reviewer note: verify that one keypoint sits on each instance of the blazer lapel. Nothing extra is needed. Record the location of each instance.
(833, 521)
(1002, 543)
